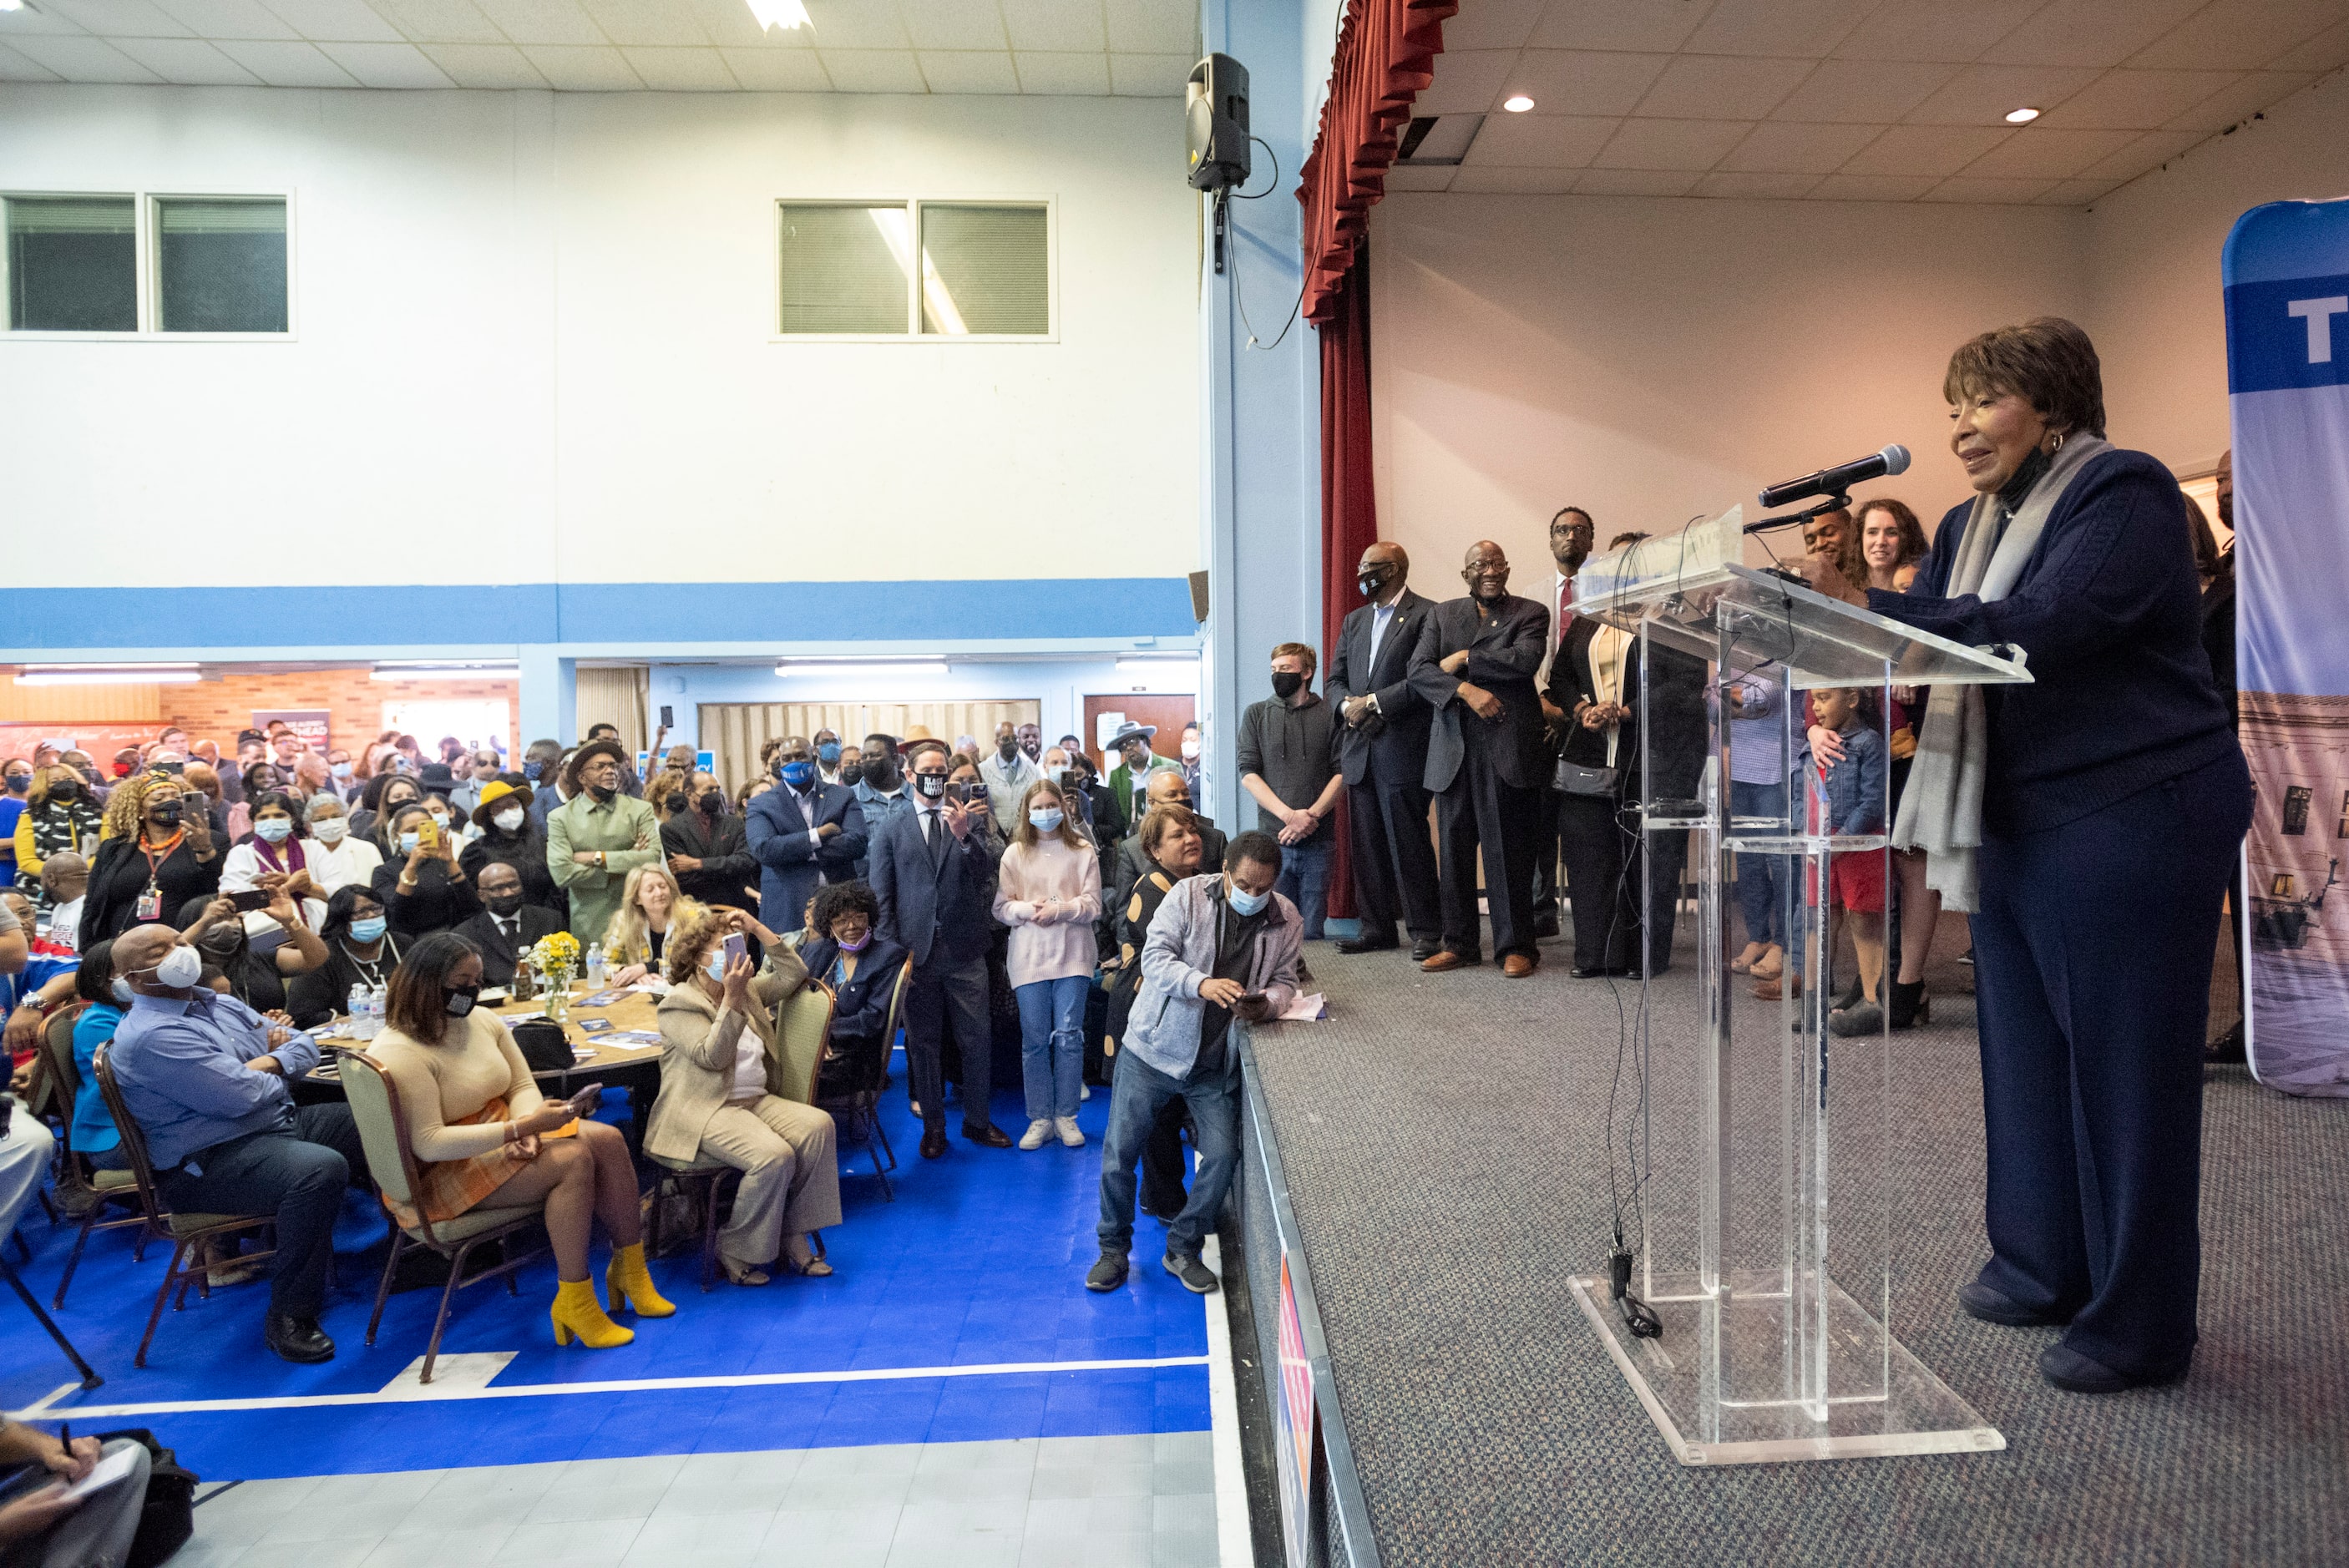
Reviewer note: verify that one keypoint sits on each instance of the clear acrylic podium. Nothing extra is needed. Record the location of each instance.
(1757, 1192)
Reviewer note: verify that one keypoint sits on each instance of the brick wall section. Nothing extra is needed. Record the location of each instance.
(216, 710)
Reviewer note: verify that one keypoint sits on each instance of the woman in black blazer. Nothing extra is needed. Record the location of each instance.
(860, 968)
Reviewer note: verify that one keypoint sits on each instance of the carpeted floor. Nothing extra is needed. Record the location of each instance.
(1439, 1136)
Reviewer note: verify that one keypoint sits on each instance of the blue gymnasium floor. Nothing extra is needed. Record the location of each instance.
(979, 1263)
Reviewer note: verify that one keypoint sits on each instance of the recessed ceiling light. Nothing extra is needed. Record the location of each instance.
(2021, 115)
(1516, 103)
(789, 14)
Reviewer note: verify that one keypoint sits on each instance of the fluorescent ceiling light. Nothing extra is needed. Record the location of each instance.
(111, 675)
(444, 672)
(770, 14)
(12, 5)
(1516, 103)
(2021, 115)
(865, 668)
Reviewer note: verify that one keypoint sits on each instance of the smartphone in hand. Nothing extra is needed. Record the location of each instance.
(584, 1101)
(737, 946)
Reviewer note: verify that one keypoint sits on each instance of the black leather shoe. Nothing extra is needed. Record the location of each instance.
(1196, 1277)
(298, 1339)
(1979, 1300)
(1421, 951)
(987, 1137)
(2074, 1373)
(1601, 973)
(934, 1142)
(1108, 1271)
(2227, 1047)
(1353, 944)
(1545, 925)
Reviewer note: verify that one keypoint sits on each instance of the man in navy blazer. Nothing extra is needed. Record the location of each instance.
(1487, 759)
(1382, 752)
(933, 870)
(803, 833)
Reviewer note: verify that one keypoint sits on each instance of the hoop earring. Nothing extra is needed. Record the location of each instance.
(2058, 446)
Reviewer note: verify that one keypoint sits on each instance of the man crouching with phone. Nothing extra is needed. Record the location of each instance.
(1222, 946)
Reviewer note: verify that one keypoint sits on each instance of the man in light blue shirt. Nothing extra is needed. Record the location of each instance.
(205, 1078)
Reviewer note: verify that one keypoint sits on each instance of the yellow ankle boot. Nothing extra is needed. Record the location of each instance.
(575, 1313)
(630, 1284)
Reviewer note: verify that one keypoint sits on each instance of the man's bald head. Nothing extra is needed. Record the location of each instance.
(1383, 569)
(1486, 570)
(137, 950)
(1166, 786)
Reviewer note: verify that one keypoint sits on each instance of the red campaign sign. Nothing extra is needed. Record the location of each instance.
(312, 723)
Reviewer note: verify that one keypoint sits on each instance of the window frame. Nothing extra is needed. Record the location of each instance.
(146, 241)
(914, 333)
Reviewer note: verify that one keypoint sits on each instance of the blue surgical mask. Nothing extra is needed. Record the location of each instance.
(1243, 901)
(1047, 819)
(407, 843)
(717, 965)
(798, 774)
(340, 770)
(368, 930)
(275, 830)
(829, 752)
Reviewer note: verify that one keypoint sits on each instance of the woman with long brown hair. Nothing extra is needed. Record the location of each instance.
(1047, 891)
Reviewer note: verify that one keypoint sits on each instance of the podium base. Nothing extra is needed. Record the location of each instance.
(1756, 1424)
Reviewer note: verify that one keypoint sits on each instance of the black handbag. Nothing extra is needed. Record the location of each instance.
(1574, 779)
(169, 1517)
(544, 1047)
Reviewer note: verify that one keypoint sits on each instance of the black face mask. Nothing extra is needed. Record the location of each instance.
(930, 784)
(165, 816)
(1372, 583)
(1284, 684)
(603, 791)
(882, 776)
(713, 801)
(852, 773)
(676, 802)
(458, 1000)
(502, 903)
(64, 793)
(222, 941)
(1008, 748)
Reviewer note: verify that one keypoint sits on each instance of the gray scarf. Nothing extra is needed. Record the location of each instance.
(1940, 809)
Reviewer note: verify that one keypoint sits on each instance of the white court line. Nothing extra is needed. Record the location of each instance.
(402, 1392)
(1235, 1546)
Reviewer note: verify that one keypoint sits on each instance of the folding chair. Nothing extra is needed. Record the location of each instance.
(108, 1189)
(855, 1101)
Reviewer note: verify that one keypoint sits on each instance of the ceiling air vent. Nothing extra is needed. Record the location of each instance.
(1438, 141)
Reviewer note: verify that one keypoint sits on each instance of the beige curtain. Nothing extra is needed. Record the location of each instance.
(735, 730)
(621, 696)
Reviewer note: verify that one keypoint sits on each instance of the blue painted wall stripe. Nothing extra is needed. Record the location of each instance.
(472, 614)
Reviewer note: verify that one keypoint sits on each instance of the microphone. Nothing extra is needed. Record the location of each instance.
(1836, 480)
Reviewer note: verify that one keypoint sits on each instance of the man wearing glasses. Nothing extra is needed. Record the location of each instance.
(596, 837)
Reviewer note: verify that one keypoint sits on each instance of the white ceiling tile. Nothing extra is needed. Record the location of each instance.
(188, 62)
(1585, 81)
(286, 65)
(1981, 95)
(1489, 24)
(1401, 177)
(2078, 192)
(1863, 92)
(1662, 25)
(1804, 29)
(958, 25)
(28, 20)
(484, 64)
(1055, 26)
(1513, 182)
(2144, 152)
(2037, 153)
(1634, 183)
(1925, 149)
(1466, 83)
(1539, 141)
(439, 21)
(2242, 34)
(2096, 33)
(1149, 76)
(874, 70)
(545, 21)
(1715, 87)
(340, 21)
(1990, 192)
(1777, 148)
(1162, 27)
(1872, 188)
(680, 70)
(2260, 90)
(386, 65)
(2136, 100)
(646, 24)
(2325, 52)
(1062, 75)
(858, 24)
(969, 70)
(583, 69)
(1933, 30)
(1750, 187)
(81, 59)
(218, 19)
(119, 18)
(1692, 144)
(17, 68)
(777, 70)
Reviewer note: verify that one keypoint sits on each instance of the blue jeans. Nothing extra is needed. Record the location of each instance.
(1305, 878)
(1140, 1092)
(1052, 1043)
(1759, 877)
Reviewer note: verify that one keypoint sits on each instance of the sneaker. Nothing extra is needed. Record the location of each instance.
(1108, 1271)
(1034, 1137)
(1084, 1091)
(1863, 1019)
(1072, 1135)
(1196, 1277)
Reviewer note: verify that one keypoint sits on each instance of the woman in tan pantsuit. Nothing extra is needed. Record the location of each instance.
(717, 1097)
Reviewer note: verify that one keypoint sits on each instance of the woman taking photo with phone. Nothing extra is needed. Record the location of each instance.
(421, 886)
(485, 1136)
(157, 854)
(1049, 893)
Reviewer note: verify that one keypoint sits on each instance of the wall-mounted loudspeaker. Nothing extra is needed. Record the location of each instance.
(1216, 121)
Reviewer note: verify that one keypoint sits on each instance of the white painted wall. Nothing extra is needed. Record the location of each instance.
(533, 345)
(1651, 359)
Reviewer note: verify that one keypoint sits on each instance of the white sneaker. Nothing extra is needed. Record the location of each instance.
(1034, 1137)
(1070, 1136)
(1084, 1091)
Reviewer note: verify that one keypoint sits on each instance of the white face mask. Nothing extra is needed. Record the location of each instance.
(329, 829)
(1190, 751)
(510, 819)
(182, 967)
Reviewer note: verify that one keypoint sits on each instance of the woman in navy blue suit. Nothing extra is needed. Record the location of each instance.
(2091, 821)
(859, 965)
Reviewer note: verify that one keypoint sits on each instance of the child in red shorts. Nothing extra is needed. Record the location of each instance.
(1854, 792)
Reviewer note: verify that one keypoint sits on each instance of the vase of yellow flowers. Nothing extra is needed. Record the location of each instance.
(556, 957)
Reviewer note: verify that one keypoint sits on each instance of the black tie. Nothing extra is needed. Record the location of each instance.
(930, 832)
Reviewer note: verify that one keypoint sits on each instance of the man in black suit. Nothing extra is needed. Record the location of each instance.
(933, 871)
(708, 848)
(1382, 752)
(1486, 758)
(507, 927)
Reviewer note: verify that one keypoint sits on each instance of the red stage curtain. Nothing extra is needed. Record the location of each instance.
(1350, 510)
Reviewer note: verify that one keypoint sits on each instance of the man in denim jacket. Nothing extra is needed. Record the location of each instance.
(1221, 946)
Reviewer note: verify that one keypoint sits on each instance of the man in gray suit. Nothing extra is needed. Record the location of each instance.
(1486, 758)
(1382, 752)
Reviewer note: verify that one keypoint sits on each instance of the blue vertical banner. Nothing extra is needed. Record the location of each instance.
(2286, 272)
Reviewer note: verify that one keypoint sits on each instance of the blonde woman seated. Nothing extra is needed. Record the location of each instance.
(649, 907)
(717, 1096)
(485, 1137)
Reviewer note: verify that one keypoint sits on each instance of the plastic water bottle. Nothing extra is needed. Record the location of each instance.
(595, 967)
(360, 997)
(376, 1008)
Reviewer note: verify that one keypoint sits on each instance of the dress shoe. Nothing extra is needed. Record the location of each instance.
(1517, 966)
(1108, 1271)
(1423, 950)
(1578, 973)
(934, 1142)
(1353, 944)
(2227, 1047)
(2074, 1373)
(296, 1339)
(1444, 960)
(1777, 990)
(1993, 1306)
(987, 1137)
(1545, 925)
